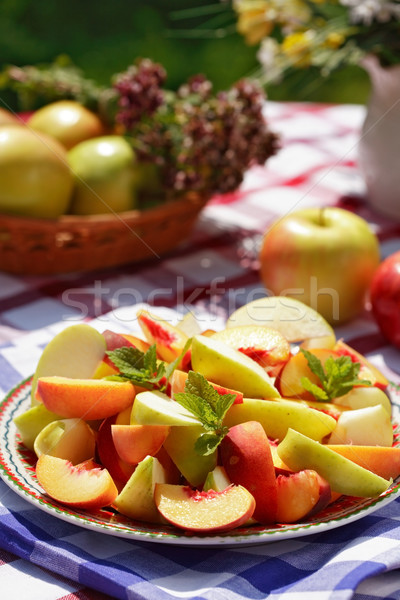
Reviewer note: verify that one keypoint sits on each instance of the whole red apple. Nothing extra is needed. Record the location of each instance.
(324, 257)
(385, 298)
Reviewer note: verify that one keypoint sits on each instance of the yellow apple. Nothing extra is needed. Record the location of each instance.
(105, 176)
(68, 121)
(35, 178)
(324, 257)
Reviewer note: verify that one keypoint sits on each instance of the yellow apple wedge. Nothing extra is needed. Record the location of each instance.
(136, 499)
(156, 408)
(30, 423)
(344, 476)
(228, 367)
(369, 426)
(87, 399)
(71, 439)
(75, 486)
(180, 447)
(277, 416)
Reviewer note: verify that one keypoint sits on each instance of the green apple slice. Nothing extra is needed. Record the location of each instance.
(299, 452)
(75, 352)
(180, 447)
(32, 421)
(217, 480)
(156, 408)
(277, 416)
(294, 319)
(136, 499)
(228, 367)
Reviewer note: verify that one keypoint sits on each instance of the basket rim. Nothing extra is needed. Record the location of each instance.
(175, 205)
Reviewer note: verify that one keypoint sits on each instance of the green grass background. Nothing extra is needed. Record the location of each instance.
(187, 36)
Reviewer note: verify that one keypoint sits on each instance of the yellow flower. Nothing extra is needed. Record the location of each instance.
(252, 19)
(334, 40)
(297, 46)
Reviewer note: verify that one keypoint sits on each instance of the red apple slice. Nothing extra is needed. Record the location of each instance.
(87, 399)
(205, 512)
(77, 487)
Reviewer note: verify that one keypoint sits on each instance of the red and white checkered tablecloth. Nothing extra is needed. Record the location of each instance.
(214, 272)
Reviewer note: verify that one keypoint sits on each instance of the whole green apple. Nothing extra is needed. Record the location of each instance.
(105, 176)
(324, 257)
(67, 121)
(35, 179)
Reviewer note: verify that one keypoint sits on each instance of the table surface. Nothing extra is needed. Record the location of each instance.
(214, 272)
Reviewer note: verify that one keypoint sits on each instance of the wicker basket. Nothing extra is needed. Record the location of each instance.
(74, 243)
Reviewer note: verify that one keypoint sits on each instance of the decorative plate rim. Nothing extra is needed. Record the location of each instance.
(16, 470)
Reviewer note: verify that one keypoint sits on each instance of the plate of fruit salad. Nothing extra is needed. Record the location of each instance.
(265, 430)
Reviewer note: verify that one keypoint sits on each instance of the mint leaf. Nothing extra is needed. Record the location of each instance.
(140, 368)
(314, 389)
(336, 377)
(210, 407)
(207, 443)
(315, 364)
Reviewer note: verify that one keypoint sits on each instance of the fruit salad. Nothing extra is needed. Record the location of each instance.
(258, 424)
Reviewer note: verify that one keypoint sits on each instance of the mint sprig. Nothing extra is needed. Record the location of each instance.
(143, 368)
(210, 407)
(336, 377)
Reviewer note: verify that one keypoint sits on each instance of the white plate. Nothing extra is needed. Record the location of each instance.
(16, 469)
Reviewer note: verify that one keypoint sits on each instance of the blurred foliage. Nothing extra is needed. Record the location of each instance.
(186, 36)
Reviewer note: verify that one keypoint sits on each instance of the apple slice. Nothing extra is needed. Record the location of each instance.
(169, 340)
(134, 442)
(344, 476)
(381, 460)
(74, 486)
(87, 399)
(156, 408)
(370, 426)
(296, 321)
(228, 367)
(217, 480)
(277, 416)
(268, 347)
(363, 396)
(206, 512)
(301, 495)
(75, 352)
(136, 499)
(71, 439)
(246, 456)
(180, 447)
(30, 423)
